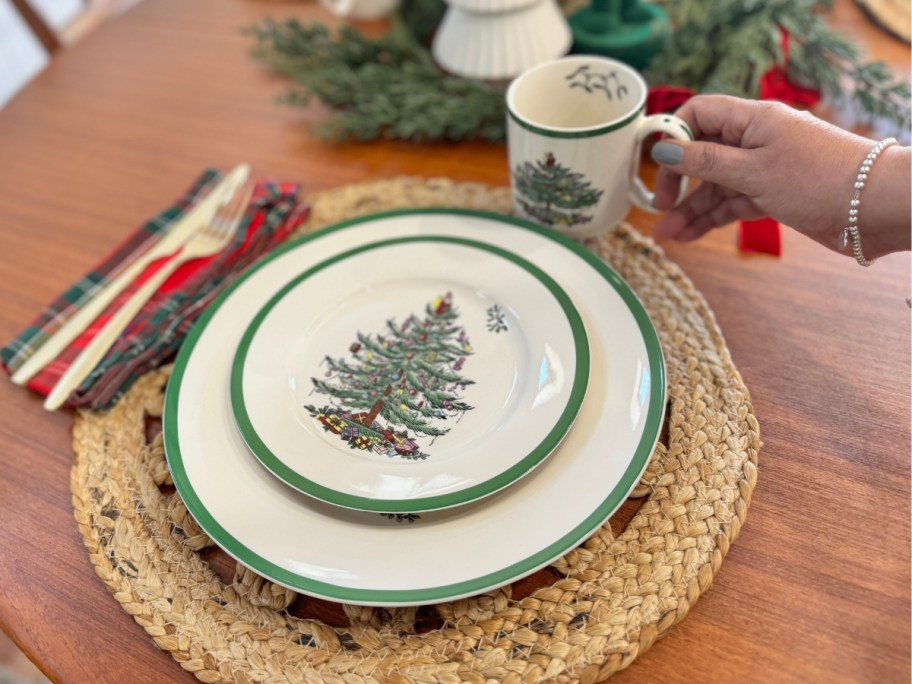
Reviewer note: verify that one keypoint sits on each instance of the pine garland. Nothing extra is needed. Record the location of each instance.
(725, 46)
(390, 87)
(386, 87)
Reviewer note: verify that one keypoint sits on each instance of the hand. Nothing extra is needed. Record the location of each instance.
(760, 159)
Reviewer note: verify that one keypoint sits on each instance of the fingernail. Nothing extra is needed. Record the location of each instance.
(667, 153)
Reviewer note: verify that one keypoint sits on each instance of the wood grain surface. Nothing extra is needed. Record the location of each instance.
(817, 589)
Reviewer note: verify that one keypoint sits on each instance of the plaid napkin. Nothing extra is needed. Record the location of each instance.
(156, 333)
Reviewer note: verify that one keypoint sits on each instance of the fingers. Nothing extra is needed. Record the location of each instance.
(721, 126)
(667, 187)
(722, 214)
(706, 208)
(701, 200)
(719, 117)
(730, 167)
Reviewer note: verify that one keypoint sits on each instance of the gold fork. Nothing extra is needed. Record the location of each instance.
(207, 241)
(176, 235)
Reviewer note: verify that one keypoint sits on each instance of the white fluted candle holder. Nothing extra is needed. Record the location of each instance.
(496, 40)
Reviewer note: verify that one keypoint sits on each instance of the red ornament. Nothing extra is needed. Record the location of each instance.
(423, 337)
(355, 348)
(412, 392)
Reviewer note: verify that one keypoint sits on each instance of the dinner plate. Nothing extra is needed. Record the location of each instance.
(391, 559)
(410, 374)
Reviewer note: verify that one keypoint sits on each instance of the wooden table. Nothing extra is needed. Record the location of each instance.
(817, 587)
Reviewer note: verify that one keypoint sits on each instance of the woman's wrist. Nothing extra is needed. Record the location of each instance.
(885, 203)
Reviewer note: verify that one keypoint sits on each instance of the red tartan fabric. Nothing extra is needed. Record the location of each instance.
(52, 317)
(156, 332)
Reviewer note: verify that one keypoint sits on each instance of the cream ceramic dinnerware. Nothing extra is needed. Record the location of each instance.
(410, 374)
(408, 559)
(575, 127)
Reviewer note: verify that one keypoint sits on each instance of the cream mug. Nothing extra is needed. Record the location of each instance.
(575, 128)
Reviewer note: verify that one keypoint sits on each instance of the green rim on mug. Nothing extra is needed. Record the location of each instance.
(638, 109)
(584, 133)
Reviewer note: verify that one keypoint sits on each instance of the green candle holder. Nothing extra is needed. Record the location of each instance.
(631, 31)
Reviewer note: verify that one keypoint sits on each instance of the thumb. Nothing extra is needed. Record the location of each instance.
(720, 164)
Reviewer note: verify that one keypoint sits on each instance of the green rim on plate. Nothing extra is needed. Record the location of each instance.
(612, 500)
(274, 463)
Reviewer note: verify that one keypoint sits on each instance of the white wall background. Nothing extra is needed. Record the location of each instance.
(21, 54)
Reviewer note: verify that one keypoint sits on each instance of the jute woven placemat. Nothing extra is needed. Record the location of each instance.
(601, 605)
(895, 16)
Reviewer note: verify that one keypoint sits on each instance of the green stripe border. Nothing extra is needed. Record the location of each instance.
(612, 501)
(280, 469)
(587, 133)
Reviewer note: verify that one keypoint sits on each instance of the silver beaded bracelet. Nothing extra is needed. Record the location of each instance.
(851, 230)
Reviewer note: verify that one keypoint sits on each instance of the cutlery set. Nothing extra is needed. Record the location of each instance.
(204, 230)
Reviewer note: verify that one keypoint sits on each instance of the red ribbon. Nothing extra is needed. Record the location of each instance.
(762, 235)
(774, 84)
(667, 98)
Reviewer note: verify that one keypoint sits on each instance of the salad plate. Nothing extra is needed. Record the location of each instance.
(400, 559)
(410, 374)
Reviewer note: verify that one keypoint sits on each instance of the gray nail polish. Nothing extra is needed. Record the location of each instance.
(667, 153)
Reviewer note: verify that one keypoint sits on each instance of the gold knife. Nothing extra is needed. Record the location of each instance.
(195, 218)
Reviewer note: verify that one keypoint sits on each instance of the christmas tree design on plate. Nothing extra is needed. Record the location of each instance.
(553, 194)
(398, 387)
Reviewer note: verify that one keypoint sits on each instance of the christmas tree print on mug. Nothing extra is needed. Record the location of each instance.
(575, 128)
(400, 386)
(553, 194)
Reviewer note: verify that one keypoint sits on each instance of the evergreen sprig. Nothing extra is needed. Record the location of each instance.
(725, 46)
(379, 87)
(390, 86)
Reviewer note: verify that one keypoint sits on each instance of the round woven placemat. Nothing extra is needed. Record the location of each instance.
(894, 16)
(592, 612)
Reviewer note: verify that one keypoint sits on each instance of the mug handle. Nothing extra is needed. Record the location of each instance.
(671, 126)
